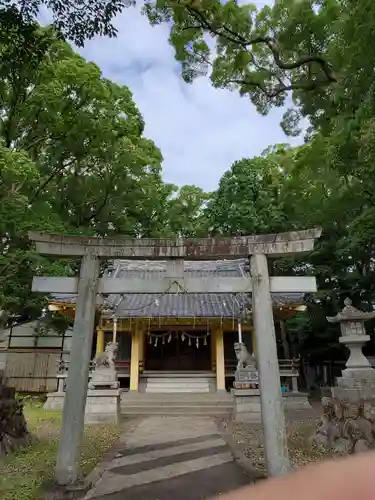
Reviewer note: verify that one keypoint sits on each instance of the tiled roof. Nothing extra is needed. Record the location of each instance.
(181, 304)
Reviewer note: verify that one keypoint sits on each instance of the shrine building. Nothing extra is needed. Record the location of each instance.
(181, 342)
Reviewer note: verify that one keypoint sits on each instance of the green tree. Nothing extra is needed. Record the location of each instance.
(187, 212)
(73, 156)
(264, 54)
(74, 19)
(18, 176)
(248, 198)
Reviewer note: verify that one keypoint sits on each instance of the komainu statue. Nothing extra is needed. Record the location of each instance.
(107, 358)
(244, 358)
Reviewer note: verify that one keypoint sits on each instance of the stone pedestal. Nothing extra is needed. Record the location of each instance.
(55, 401)
(247, 408)
(296, 401)
(246, 405)
(103, 397)
(104, 378)
(355, 386)
(246, 377)
(357, 361)
(102, 406)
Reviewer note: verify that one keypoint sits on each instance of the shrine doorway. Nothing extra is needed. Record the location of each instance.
(178, 351)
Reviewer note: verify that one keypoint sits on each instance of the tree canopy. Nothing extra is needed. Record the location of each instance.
(76, 20)
(73, 156)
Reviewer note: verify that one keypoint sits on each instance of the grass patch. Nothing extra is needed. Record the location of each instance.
(22, 474)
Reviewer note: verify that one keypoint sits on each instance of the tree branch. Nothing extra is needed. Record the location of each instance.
(53, 174)
(238, 39)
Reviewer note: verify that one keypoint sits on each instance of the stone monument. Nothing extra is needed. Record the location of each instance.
(246, 386)
(103, 395)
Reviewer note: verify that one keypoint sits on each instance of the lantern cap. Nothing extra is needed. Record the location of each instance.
(350, 313)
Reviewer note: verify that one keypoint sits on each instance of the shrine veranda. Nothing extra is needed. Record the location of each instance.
(176, 305)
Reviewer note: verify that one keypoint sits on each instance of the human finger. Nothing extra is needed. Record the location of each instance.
(350, 478)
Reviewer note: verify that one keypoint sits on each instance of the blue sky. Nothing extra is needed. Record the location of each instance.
(200, 130)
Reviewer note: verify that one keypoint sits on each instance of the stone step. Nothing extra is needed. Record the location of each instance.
(172, 383)
(221, 395)
(171, 400)
(184, 381)
(166, 404)
(177, 410)
(202, 385)
(167, 384)
(178, 374)
(173, 388)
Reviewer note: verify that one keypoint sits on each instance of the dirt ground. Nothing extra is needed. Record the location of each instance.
(247, 439)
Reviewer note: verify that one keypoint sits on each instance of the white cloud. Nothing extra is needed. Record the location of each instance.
(200, 130)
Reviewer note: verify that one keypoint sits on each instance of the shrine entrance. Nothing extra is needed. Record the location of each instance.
(178, 351)
(257, 248)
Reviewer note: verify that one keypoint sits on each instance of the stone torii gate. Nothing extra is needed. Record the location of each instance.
(88, 285)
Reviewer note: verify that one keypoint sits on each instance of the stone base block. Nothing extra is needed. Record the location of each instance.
(353, 395)
(55, 401)
(104, 377)
(355, 386)
(102, 406)
(355, 378)
(246, 407)
(296, 401)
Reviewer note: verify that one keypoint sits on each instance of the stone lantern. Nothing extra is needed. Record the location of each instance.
(353, 336)
(347, 421)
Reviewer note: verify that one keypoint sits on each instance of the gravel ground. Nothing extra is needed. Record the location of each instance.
(247, 439)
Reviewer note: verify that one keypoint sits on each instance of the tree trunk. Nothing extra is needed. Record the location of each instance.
(284, 339)
(13, 427)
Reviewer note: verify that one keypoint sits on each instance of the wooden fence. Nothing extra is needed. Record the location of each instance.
(32, 370)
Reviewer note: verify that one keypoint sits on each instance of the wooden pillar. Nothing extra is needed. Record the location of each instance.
(142, 347)
(273, 420)
(213, 350)
(253, 342)
(134, 359)
(99, 341)
(219, 355)
(73, 417)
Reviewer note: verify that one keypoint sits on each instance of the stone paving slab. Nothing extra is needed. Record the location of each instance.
(170, 457)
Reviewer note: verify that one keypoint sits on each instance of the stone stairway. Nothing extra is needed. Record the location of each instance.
(208, 404)
(177, 382)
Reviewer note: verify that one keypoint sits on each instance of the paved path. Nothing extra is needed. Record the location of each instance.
(170, 457)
